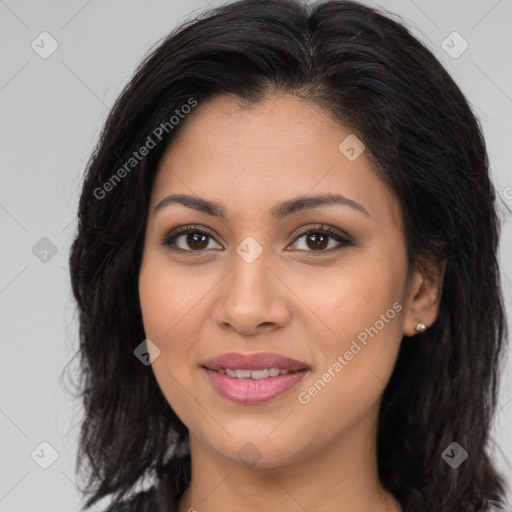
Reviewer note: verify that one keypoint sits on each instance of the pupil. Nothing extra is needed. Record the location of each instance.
(319, 241)
(193, 239)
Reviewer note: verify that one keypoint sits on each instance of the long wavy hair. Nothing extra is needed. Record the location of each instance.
(367, 70)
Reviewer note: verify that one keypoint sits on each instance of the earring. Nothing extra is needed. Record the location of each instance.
(421, 327)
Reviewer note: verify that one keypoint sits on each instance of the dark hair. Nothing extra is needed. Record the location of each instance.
(373, 76)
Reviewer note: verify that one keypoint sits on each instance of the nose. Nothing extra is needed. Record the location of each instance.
(252, 299)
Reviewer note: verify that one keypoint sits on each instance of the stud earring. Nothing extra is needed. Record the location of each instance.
(421, 327)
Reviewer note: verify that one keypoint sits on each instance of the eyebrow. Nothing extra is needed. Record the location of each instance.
(280, 211)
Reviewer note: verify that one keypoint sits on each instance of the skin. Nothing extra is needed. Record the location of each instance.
(295, 300)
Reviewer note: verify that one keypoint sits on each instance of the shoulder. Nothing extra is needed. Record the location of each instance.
(144, 501)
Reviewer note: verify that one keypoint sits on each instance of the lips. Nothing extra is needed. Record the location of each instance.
(253, 378)
(254, 361)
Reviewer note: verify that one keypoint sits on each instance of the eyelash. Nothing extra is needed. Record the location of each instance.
(170, 238)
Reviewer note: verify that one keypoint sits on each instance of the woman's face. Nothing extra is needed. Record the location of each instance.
(337, 304)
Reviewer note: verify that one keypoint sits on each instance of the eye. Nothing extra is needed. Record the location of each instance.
(194, 239)
(316, 239)
(188, 239)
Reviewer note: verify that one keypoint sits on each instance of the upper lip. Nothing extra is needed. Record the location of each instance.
(254, 361)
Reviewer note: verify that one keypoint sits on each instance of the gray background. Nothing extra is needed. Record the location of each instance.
(52, 110)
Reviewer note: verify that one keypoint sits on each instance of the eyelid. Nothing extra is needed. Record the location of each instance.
(344, 238)
(170, 236)
(326, 228)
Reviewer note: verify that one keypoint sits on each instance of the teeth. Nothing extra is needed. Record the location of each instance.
(243, 374)
(259, 374)
(253, 374)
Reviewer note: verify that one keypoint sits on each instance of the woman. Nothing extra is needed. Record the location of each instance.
(286, 274)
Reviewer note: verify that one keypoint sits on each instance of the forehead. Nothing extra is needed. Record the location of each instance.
(251, 156)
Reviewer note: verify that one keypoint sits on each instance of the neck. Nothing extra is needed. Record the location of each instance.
(342, 477)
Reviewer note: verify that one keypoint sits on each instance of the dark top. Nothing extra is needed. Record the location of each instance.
(141, 502)
(165, 496)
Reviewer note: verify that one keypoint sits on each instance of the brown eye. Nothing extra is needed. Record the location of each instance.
(317, 239)
(188, 240)
(196, 241)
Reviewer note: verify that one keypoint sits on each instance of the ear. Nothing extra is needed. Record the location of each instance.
(424, 291)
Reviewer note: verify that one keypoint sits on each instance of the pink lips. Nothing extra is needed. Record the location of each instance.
(248, 390)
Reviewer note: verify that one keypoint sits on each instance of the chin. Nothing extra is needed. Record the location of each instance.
(255, 452)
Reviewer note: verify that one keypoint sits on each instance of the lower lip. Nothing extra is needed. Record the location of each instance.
(253, 391)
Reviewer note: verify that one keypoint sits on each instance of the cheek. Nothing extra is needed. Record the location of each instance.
(154, 301)
(168, 300)
(167, 317)
(353, 297)
(364, 313)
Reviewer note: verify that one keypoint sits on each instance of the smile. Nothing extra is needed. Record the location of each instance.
(253, 389)
(253, 374)
(253, 378)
